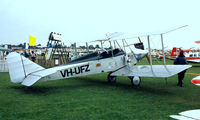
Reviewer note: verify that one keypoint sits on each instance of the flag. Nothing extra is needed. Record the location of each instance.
(32, 41)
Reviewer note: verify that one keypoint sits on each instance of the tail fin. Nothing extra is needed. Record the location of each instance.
(174, 52)
(20, 67)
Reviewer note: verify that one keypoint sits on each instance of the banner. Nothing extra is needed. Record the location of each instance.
(32, 41)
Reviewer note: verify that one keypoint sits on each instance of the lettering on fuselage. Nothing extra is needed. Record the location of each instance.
(75, 70)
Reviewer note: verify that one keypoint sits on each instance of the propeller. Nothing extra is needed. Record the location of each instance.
(148, 59)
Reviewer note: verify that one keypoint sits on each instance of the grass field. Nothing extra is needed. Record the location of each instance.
(91, 98)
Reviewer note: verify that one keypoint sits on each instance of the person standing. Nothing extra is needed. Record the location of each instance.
(181, 60)
(26, 54)
(33, 56)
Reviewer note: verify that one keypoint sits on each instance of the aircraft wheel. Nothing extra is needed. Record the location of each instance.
(111, 79)
(135, 81)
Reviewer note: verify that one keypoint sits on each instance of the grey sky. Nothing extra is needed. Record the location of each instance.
(86, 20)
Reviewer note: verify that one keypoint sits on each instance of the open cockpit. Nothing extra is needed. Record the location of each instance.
(97, 55)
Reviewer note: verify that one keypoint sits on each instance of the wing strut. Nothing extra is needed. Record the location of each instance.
(163, 49)
(124, 45)
(149, 50)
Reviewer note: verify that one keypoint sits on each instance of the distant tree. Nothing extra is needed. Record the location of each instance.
(97, 46)
(91, 47)
(20, 45)
(82, 47)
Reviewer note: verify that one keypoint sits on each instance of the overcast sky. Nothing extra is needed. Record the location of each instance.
(86, 20)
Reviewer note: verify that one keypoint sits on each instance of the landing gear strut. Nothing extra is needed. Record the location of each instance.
(111, 79)
(135, 80)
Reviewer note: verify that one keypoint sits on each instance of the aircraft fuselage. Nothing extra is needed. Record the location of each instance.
(88, 68)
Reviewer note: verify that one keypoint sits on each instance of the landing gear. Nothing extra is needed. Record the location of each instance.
(135, 81)
(111, 79)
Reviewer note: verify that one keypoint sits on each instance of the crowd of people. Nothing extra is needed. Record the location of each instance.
(31, 55)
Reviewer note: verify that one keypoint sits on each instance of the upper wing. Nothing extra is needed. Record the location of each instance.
(151, 71)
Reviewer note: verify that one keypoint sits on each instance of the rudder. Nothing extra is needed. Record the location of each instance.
(174, 52)
(20, 67)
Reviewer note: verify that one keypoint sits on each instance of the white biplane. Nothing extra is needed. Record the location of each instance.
(116, 61)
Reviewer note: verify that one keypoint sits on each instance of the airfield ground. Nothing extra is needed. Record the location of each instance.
(91, 98)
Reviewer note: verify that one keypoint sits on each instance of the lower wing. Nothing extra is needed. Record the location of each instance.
(151, 71)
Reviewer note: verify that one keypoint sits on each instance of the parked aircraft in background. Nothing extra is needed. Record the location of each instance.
(158, 54)
(190, 55)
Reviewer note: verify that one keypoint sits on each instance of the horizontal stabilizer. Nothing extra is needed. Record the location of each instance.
(34, 77)
(30, 80)
(151, 71)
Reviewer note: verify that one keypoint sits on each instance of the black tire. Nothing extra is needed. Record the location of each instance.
(135, 81)
(111, 79)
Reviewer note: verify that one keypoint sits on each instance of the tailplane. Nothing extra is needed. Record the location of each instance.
(174, 52)
(20, 67)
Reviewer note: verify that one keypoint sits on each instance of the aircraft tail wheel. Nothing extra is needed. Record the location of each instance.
(135, 81)
(111, 79)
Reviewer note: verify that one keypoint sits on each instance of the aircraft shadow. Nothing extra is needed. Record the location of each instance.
(32, 89)
(88, 82)
(48, 89)
(196, 65)
(124, 86)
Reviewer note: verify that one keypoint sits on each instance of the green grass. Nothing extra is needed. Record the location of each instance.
(91, 97)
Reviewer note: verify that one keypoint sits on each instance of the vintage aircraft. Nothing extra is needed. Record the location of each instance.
(191, 55)
(116, 61)
(188, 115)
